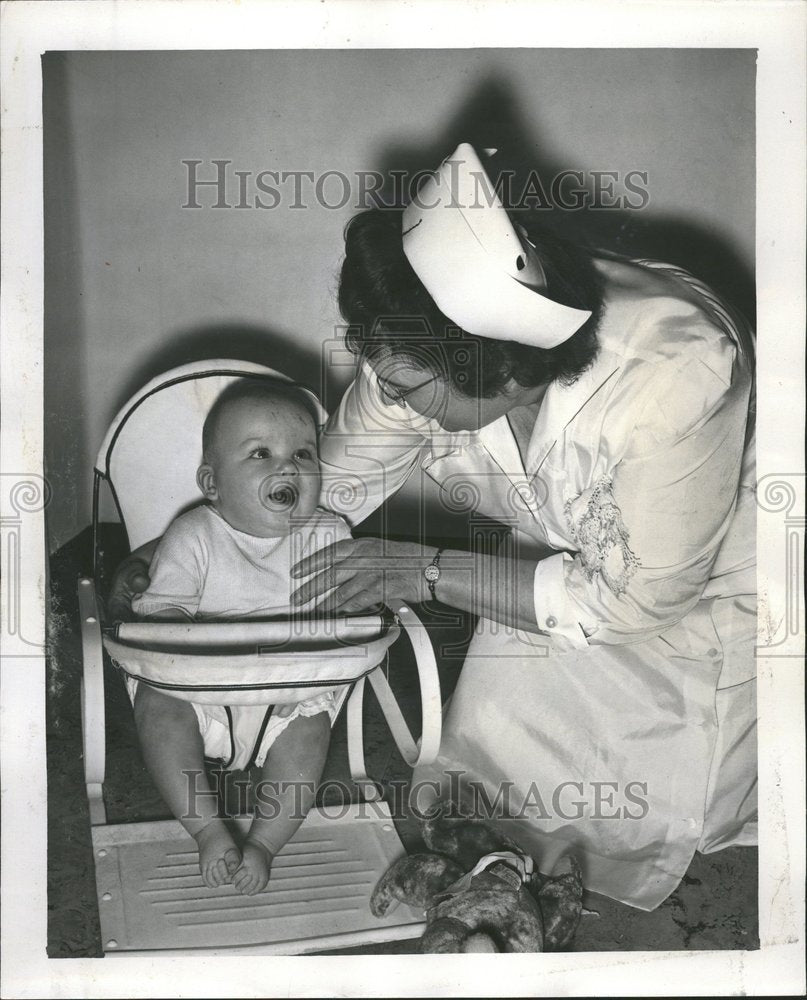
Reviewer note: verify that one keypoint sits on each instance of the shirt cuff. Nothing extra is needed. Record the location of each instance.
(554, 611)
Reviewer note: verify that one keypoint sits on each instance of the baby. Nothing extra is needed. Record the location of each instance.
(230, 558)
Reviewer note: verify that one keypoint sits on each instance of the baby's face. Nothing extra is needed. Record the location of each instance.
(262, 469)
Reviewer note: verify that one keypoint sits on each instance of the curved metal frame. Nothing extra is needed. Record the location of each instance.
(431, 708)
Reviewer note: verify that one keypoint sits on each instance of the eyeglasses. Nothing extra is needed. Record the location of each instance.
(394, 394)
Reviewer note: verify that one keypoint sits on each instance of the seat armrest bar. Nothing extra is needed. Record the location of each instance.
(93, 728)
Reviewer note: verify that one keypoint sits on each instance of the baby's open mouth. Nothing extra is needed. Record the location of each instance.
(281, 497)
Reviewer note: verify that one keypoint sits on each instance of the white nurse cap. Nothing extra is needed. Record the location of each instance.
(462, 245)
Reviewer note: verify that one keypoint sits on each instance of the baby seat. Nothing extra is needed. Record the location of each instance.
(150, 893)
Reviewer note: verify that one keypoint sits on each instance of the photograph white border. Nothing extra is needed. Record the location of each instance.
(776, 29)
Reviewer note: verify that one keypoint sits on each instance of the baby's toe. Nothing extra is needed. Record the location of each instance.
(261, 879)
(242, 879)
(257, 881)
(218, 855)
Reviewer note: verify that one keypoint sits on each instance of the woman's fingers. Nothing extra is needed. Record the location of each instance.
(330, 567)
(378, 568)
(364, 601)
(318, 585)
(344, 595)
(323, 558)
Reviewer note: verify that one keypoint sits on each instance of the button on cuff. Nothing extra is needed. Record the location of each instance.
(551, 622)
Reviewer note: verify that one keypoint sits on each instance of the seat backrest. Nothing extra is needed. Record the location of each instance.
(154, 445)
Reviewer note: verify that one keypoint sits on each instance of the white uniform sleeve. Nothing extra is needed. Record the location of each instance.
(177, 572)
(368, 449)
(647, 533)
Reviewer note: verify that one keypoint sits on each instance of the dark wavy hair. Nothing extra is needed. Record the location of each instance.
(388, 309)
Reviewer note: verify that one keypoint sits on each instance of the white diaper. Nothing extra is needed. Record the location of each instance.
(233, 734)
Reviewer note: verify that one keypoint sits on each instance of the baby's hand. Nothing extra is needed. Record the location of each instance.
(131, 580)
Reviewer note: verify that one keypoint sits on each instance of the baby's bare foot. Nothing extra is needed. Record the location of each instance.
(253, 875)
(219, 858)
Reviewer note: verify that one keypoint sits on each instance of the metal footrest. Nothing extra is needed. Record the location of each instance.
(151, 896)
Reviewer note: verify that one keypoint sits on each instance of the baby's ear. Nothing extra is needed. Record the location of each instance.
(206, 481)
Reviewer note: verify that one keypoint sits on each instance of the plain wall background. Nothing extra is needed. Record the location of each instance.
(136, 284)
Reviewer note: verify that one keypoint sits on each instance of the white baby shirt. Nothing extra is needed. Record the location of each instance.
(210, 570)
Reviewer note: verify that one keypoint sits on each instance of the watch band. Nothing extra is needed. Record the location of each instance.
(432, 573)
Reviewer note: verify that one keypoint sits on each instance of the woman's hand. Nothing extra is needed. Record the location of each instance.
(361, 572)
(131, 579)
(364, 572)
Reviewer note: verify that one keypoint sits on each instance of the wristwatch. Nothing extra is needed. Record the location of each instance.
(432, 573)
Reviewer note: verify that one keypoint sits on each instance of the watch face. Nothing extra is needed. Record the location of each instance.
(432, 573)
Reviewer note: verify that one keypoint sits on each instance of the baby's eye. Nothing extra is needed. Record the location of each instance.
(260, 453)
(303, 454)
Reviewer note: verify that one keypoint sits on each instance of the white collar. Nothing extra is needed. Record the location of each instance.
(562, 403)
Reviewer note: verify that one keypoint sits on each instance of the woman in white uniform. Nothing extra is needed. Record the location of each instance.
(599, 408)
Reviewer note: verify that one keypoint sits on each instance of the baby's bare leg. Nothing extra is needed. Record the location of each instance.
(171, 743)
(290, 774)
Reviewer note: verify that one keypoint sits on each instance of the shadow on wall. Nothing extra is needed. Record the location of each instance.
(241, 342)
(491, 118)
